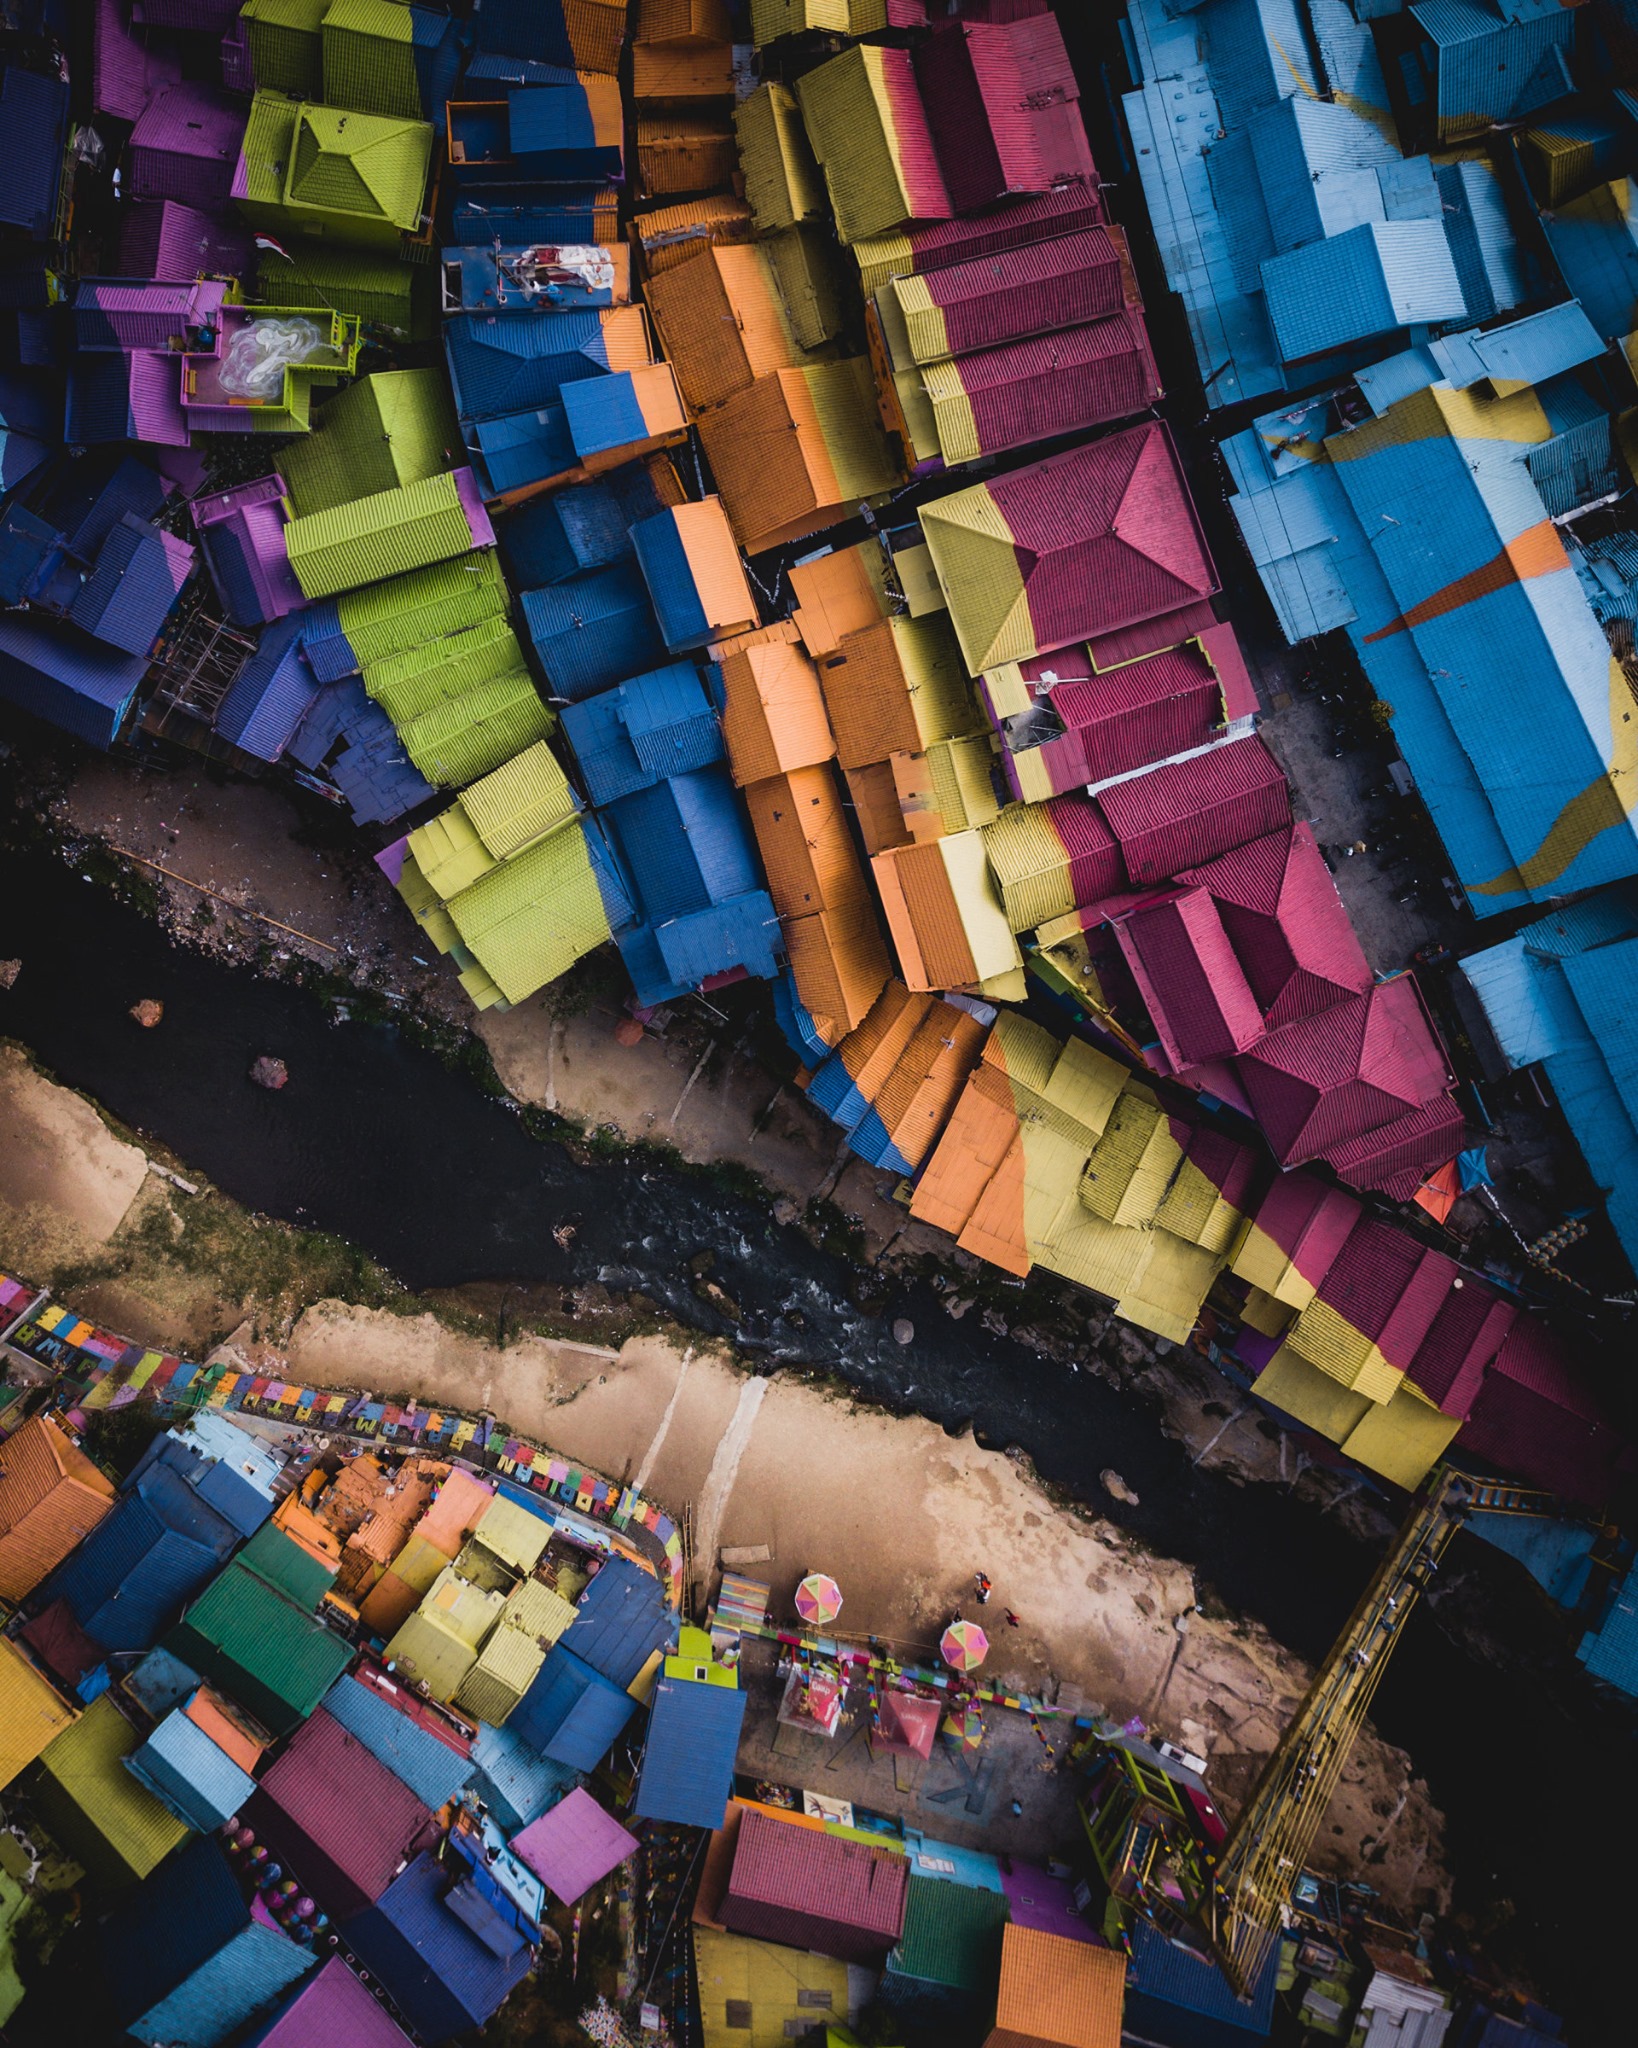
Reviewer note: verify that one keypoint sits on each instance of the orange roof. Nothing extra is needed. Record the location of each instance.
(806, 849)
(395, 1509)
(229, 1727)
(915, 1101)
(670, 21)
(870, 1052)
(840, 966)
(51, 1498)
(924, 918)
(597, 30)
(840, 593)
(454, 1514)
(684, 152)
(305, 1529)
(389, 1604)
(982, 1131)
(774, 716)
(722, 323)
(875, 797)
(714, 564)
(1057, 1993)
(682, 71)
(893, 687)
(669, 235)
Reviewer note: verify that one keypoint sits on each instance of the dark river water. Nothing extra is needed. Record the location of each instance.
(378, 1141)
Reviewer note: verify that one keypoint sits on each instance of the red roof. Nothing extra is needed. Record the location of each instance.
(1189, 979)
(1147, 711)
(1148, 636)
(1534, 1416)
(1178, 816)
(1019, 292)
(1106, 535)
(1343, 1072)
(338, 1820)
(1001, 102)
(1281, 909)
(1394, 1159)
(1059, 383)
(1095, 866)
(812, 1890)
(1008, 225)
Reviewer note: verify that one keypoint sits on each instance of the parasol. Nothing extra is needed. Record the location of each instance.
(818, 1598)
(964, 1646)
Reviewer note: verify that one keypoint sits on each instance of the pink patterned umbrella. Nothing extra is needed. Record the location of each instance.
(818, 1599)
(964, 1646)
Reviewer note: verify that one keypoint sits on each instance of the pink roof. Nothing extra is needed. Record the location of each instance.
(334, 2008)
(1535, 1417)
(185, 144)
(1309, 1221)
(909, 1724)
(912, 140)
(337, 1817)
(1281, 909)
(1128, 717)
(812, 1890)
(1148, 636)
(1030, 290)
(1342, 1072)
(1189, 979)
(1009, 225)
(1389, 1287)
(1462, 1341)
(1396, 1158)
(1232, 1168)
(1175, 817)
(1060, 383)
(1095, 867)
(1106, 535)
(574, 1845)
(125, 73)
(1222, 650)
(1001, 102)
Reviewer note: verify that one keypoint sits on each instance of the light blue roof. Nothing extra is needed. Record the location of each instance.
(1610, 1651)
(740, 932)
(431, 1769)
(1396, 377)
(1318, 163)
(243, 1980)
(1525, 351)
(1371, 280)
(1491, 69)
(188, 1774)
(514, 1780)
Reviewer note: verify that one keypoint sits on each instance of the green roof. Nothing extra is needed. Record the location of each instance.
(455, 742)
(412, 681)
(952, 1935)
(382, 535)
(272, 1556)
(530, 919)
(354, 177)
(369, 59)
(407, 611)
(378, 289)
(394, 428)
(265, 1651)
(101, 1815)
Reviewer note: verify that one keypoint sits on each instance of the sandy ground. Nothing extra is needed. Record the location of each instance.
(63, 1173)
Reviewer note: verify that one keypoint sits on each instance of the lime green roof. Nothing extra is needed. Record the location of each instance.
(440, 1642)
(284, 44)
(370, 165)
(100, 1813)
(512, 1533)
(496, 818)
(426, 906)
(412, 681)
(377, 289)
(369, 61)
(382, 535)
(455, 742)
(383, 431)
(407, 611)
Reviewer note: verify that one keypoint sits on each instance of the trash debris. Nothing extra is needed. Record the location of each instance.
(267, 1072)
(148, 1012)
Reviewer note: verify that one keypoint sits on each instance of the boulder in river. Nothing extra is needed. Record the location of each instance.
(1117, 1488)
(9, 971)
(148, 1012)
(268, 1072)
(904, 1331)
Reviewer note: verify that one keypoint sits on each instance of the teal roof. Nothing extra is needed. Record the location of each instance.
(952, 1935)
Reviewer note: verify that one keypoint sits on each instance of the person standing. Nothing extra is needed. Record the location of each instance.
(982, 1583)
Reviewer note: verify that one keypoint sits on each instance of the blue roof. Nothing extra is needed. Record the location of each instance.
(685, 844)
(688, 1760)
(160, 1682)
(527, 214)
(641, 731)
(329, 652)
(520, 71)
(552, 135)
(140, 1566)
(1490, 69)
(593, 630)
(651, 980)
(90, 506)
(34, 116)
(371, 769)
(431, 1769)
(521, 448)
(30, 550)
(514, 1780)
(1526, 351)
(271, 694)
(623, 1617)
(157, 1934)
(571, 1713)
(1610, 1651)
(67, 679)
(133, 588)
(1163, 1980)
(1592, 242)
(671, 583)
(441, 1976)
(586, 526)
(1376, 277)
(524, 28)
(742, 932)
(505, 362)
(230, 1470)
(800, 1032)
(186, 1772)
(241, 1982)
(604, 415)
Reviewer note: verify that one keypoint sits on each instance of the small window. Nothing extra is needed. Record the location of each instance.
(737, 2013)
(822, 1998)
(701, 1673)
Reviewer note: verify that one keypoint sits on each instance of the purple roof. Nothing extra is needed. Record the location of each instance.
(201, 14)
(466, 489)
(185, 145)
(131, 315)
(242, 531)
(172, 241)
(574, 1845)
(332, 2007)
(156, 400)
(125, 73)
(1039, 1900)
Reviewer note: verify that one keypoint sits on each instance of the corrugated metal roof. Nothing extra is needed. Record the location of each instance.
(187, 1772)
(592, 631)
(1355, 286)
(1162, 1975)
(513, 1779)
(687, 1771)
(94, 1807)
(1011, 295)
(782, 179)
(813, 1890)
(263, 1649)
(332, 2007)
(183, 146)
(33, 1714)
(573, 1713)
(377, 432)
(574, 1845)
(156, 1935)
(512, 362)
(271, 694)
(1053, 1989)
(132, 1576)
(337, 1816)
(1001, 103)
(786, 1992)
(773, 715)
(442, 1977)
(385, 534)
(76, 684)
(51, 1497)
(1178, 816)
(952, 1935)
(685, 843)
(1192, 985)
(642, 731)
(622, 1619)
(433, 1770)
(869, 131)
(236, 1986)
(694, 575)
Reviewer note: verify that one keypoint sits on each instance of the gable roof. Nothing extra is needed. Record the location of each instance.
(1183, 813)
(334, 2006)
(813, 1890)
(621, 1620)
(642, 731)
(1191, 982)
(1080, 544)
(572, 1713)
(869, 131)
(1057, 1993)
(1001, 104)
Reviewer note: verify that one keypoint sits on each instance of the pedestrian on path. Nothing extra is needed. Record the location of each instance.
(1012, 1619)
(981, 1581)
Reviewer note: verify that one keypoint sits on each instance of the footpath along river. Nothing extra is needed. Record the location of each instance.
(377, 1141)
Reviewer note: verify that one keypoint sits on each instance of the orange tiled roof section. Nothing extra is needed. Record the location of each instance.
(722, 322)
(803, 838)
(51, 1498)
(1057, 1993)
(774, 714)
(893, 688)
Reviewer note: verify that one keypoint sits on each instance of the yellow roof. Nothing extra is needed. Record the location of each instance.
(1402, 1438)
(88, 1796)
(782, 180)
(512, 1534)
(31, 1713)
(767, 1992)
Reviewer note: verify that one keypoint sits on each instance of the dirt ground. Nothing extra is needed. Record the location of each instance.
(64, 1176)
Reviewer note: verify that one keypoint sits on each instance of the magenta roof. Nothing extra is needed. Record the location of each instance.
(1535, 1416)
(185, 144)
(1105, 535)
(156, 400)
(124, 72)
(1126, 718)
(1189, 979)
(1309, 1221)
(812, 1890)
(1282, 912)
(339, 1819)
(1001, 102)
(1030, 290)
(1059, 383)
(170, 240)
(1176, 817)
(1095, 868)
(1394, 1159)
(1462, 1340)
(332, 2010)
(1389, 1287)
(574, 1845)
(1345, 1071)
